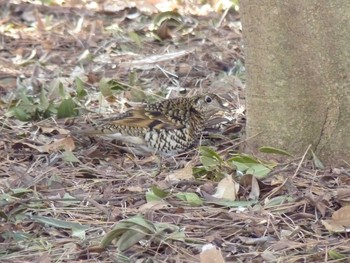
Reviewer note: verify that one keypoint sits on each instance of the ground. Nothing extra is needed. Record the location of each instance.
(72, 199)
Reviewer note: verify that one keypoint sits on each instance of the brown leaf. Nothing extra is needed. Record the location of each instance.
(342, 214)
(340, 221)
(66, 143)
(343, 196)
(52, 130)
(45, 258)
(211, 254)
(255, 191)
(227, 188)
(181, 174)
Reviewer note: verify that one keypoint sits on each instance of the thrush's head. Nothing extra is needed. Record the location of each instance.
(209, 104)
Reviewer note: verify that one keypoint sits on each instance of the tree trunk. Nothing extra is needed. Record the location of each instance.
(298, 76)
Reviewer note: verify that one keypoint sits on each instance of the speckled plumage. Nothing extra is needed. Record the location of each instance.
(170, 126)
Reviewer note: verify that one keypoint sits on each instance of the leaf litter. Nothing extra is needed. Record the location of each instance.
(72, 199)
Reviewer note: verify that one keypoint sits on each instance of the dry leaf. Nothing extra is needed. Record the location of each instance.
(343, 196)
(258, 240)
(269, 256)
(134, 188)
(153, 205)
(318, 203)
(227, 188)
(211, 254)
(255, 191)
(181, 174)
(45, 258)
(66, 143)
(342, 214)
(340, 221)
(44, 129)
(334, 226)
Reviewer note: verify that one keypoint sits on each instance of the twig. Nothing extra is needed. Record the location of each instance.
(301, 161)
(223, 16)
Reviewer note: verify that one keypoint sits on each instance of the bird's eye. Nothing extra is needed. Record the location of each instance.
(208, 99)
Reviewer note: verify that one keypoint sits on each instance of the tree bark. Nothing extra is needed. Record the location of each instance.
(298, 68)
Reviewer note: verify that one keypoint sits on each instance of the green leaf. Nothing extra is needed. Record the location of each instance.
(54, 89)
(170, 232)
(67, 108)
(258, 170)
(78, 230)
(114, 234)
(161, 17)
(46, 107)
(243, 158)
(155, 194)
(137, 223)
(130, 238)
(68, 156)
(135, 37)
(18, 192)
(209, 158)
(199, 171)
(207, 151)
(130, 231)
(273, 150)
(20, 114)
(139, 220)
(335, 255)
(50, 111)
(17, 236)
(44, 102)
(191, 198)
(137, 95)
(68, 200)
(116, 85)
(61, 90)
(25, 99)
(317, 161)
(250, 165)
(277, 201)
(133, 78)
(159, 192)
(105, 88)
(209, 163)
(81, 92)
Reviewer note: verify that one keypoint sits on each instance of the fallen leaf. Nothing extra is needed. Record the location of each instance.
(134, 188)
(181, 174)
(153, 205)
(66, 143)
(343, 196)
(340, 221)
(342, 214)
(211, 254)
(334, 226)
(255, 191)
(44, 129)
(227, 188)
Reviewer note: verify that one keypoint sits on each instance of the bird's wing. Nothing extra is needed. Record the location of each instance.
(143, 118)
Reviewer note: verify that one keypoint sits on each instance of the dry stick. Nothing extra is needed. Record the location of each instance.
(29, 200)
(238, 143)
(301, 161)
(223, 16)
(172, 80)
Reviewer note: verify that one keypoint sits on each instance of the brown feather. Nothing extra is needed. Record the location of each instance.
(169, 126)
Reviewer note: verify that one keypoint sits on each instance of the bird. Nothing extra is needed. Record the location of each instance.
(166, 128)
